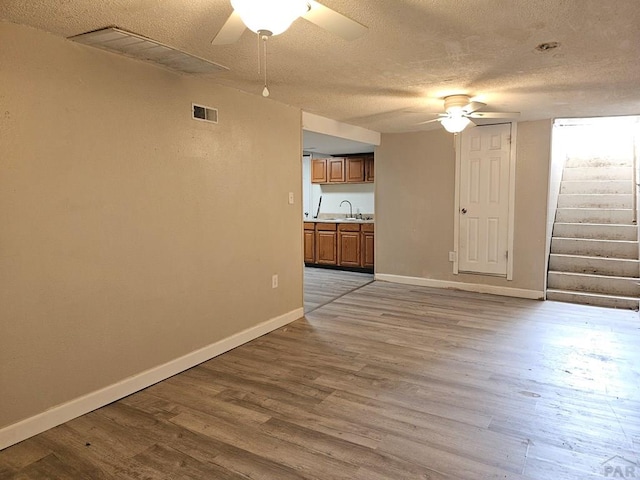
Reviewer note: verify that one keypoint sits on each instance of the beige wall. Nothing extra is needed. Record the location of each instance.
(131, 234)
(415, 182)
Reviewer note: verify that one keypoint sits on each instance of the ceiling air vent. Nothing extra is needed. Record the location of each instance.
(142, 48)
(205, 114)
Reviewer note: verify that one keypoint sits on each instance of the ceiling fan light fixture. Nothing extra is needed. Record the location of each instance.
(455, 111)
(455, 123)
(272, 17)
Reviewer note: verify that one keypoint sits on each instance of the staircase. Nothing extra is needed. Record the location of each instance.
(594, 247)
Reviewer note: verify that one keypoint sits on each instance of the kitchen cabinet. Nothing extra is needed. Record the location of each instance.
(319, 170)
(335, 170)
(369, 169)
(352, 169)
(355, 169)
(349, 245)
(367, 246)
(309, 242)
(326, 244)
(343, 244)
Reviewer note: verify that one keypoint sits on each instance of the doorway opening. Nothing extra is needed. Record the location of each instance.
(338, 217)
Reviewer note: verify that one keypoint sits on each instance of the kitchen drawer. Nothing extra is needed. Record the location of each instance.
(326, 226)
(349, 227)
(309, 226)
(367, 227)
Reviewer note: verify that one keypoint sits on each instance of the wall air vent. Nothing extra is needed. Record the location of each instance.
(142, 48)
(206, 114)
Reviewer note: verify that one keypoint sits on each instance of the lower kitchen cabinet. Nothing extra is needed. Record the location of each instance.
(309, 242)
(348, 245)
(326, 244)
(367, 246)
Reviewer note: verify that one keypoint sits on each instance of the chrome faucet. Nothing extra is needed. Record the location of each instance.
(350, 208)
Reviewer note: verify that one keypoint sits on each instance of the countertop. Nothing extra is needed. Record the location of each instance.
(337, 220)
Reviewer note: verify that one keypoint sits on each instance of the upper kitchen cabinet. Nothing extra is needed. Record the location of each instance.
(351, 169)
(319, 170)
(355, 169)
(368, 169)
(335, 170)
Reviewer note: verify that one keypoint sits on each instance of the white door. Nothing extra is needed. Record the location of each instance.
(484, 199)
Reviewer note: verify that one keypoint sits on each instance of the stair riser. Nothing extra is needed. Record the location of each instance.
(597, 186)
(595, 265)
(594, 248)
(566, 200)
(624, 161)
(596, 231)
(593, 215)
(604, 285)
(599, 301)
(608, 173)
(594, 257)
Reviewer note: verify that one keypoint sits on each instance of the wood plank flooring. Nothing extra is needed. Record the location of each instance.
(386, 382)
(323, 285)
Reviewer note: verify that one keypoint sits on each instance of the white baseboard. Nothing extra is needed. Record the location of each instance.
(467, 287)
(67, 411)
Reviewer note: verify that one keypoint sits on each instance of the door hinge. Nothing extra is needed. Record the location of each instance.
(507, 254)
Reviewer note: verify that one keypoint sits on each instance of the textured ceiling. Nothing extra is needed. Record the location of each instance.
(415, 52)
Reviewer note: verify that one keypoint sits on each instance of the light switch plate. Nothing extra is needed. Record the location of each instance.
(290, 198)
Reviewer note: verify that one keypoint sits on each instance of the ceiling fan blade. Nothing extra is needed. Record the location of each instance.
(494, 115)
(473, 106)
(421, 111)
(430, 121)
(334, 22)
(231, 31)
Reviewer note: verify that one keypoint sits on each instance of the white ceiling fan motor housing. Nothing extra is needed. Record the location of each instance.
(454, 104)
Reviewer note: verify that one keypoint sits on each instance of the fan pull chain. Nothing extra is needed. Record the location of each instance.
(265, 91)
(263, 36)
(259, 54)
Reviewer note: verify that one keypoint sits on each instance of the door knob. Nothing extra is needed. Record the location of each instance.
(464, 210)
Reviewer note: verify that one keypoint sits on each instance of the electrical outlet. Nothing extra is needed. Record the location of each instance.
(274, 281)
(290, 198)
(452, 256)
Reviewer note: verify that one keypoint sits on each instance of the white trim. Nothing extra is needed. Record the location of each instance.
(328, 126)
(512, 199)
(467, 287)
(457, 145)
(60, 414)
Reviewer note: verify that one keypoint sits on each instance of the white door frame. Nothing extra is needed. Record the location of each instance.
(512, 196)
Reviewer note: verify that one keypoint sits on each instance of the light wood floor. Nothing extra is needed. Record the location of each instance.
(387, 382)
(323, 285)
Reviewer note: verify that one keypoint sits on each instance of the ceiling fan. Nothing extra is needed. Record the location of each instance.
(460, 112)
(273, 17)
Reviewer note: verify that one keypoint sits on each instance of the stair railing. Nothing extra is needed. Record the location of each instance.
(636, 185)
(636, 176)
